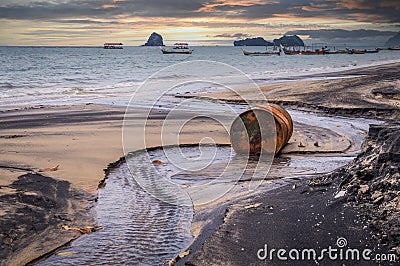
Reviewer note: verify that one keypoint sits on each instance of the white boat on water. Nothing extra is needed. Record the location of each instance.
(113, 45)
(179, 48)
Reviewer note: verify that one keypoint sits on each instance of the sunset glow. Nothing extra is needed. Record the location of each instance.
(215, 22)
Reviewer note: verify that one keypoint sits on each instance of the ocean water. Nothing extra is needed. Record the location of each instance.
(74, 75)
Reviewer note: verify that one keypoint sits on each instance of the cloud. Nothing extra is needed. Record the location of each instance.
(53, 10)
(337, 34)
(99, 9)
(386, 11)
(236, 35)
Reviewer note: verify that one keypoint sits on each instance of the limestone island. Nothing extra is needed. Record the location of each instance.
(286, 40)
(155, 39)
(394, 41)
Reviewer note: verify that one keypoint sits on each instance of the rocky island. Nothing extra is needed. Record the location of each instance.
(289, 40)
(394, 41)
(155, 39)
(258, 41)
(286, 40)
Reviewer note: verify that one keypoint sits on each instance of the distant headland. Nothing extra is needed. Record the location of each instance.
(258, 41)
(394, 41)
(286, 40)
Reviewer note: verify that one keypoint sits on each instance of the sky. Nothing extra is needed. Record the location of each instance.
(199, 22)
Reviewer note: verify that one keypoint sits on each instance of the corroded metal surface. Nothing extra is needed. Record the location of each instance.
(253, 131)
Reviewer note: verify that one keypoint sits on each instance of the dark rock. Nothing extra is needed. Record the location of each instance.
(287, 40)
(372, 180)
(394, 41)
(259, 41)
(390, 92)
(155, 39)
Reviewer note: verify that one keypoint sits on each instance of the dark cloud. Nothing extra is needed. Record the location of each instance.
(386, 11)
(339, 36)
(51, 10)
(355, 10)
(100, 9)
(162, 8)
(236, 35)
(336, 34)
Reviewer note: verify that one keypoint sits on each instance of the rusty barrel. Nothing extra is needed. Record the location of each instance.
(265, 127)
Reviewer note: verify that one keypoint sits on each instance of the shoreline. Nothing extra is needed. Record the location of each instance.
(336, 74)
(60, 128)
(376, 95)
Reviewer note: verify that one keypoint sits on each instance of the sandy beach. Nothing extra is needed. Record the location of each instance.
(82, 140)
(365, 92)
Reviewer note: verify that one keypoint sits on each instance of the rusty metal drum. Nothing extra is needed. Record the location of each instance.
(265, 127)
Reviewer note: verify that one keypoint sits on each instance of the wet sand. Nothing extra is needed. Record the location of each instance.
(371, 92)
(83, 140)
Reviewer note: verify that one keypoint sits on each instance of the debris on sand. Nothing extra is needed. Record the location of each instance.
(301, 145)
(157, 162)
(52, 169)
(253, 205)
(178, 257)
(82, 230)
(340, 194)
(66, 253)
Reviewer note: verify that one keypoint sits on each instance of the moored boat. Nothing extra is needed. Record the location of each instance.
(290, 52)
(266, 53)
(316, 52)
(113, 45)
(355, 51)
(306, 52)
(394, 48)
(179, 48)
(371, 51)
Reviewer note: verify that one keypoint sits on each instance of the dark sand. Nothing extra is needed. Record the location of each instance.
(33, 210)
(287, 218)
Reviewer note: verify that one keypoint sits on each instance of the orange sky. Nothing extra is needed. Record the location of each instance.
(212, 22)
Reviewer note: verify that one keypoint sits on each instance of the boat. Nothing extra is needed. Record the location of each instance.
(179, 48)
(306, 52)
(316, 52)
(355, 51)
(113, 45)
(343, 52)
(394, 48)
(333, 52)
(371, 51)
(290, 52)
(260, 53)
